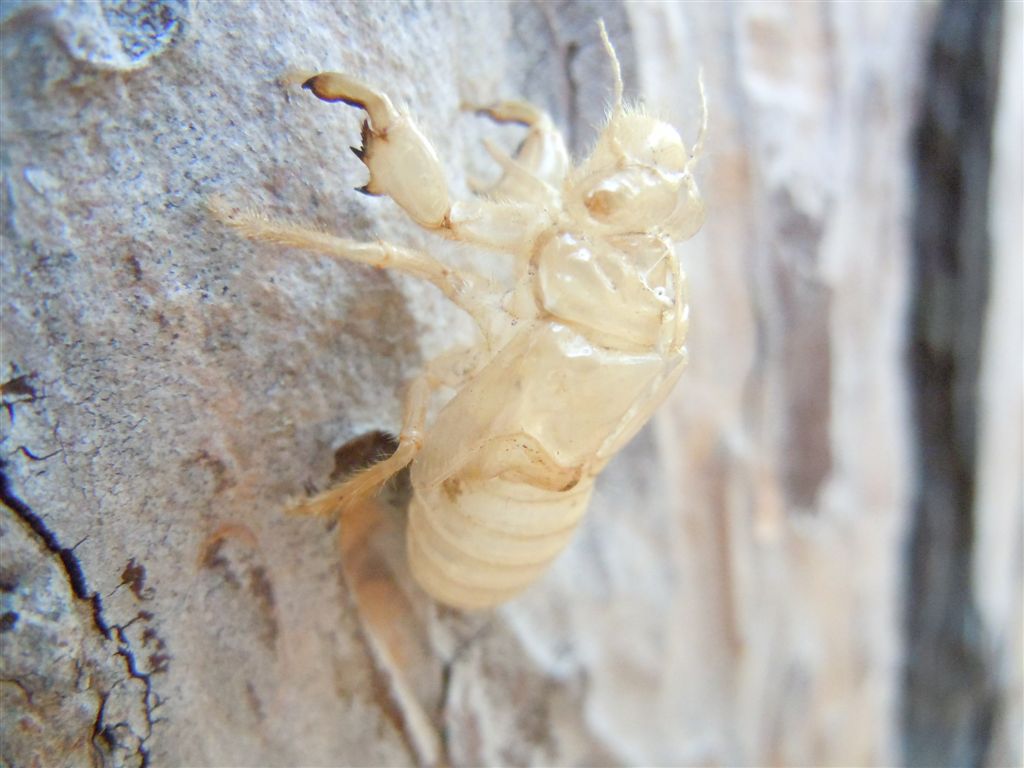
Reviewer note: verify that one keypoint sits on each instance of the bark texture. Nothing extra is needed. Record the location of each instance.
(736, 594)
(953, 672)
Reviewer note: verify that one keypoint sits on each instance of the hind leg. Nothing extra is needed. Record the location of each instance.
(366, 483)
(448, 369)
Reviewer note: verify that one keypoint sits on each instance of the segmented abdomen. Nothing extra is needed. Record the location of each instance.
(475, 546)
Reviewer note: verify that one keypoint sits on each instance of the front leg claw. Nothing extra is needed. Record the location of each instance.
(402, 163)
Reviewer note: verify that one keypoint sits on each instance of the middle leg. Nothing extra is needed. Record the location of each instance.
(471, 292)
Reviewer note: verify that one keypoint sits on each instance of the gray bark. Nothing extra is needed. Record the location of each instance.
(736, 593)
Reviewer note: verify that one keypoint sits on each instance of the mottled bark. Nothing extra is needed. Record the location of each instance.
(736, 594)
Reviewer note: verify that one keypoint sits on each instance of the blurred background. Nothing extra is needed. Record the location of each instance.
(812, 555)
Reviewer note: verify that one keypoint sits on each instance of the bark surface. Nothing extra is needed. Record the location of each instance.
(736, 592)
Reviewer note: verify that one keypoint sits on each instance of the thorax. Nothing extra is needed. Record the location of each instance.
(622, 292)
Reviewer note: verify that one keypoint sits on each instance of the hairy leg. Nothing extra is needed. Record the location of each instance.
(473, 293)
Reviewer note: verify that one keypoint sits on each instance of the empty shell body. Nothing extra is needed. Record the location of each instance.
(574, 354)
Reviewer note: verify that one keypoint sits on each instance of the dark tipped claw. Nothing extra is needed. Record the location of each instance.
(319, 84)
(367, 136)
(366, 191)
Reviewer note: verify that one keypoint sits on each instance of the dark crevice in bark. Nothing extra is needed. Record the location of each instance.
(150, 700)
(77, 581)
(66, 555)
(949, 698)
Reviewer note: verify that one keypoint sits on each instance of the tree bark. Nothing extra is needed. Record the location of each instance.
(736, 592)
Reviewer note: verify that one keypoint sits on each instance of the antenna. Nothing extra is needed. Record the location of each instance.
(616, 69)
(698, 148)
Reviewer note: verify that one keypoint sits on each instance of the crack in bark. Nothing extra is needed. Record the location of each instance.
(125, 652)
(79, 586)
(72, 567)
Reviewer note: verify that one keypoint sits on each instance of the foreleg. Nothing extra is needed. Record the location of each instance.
(404, 166)
(540, 163)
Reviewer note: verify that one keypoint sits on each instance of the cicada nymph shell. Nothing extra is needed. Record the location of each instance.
(574, 354)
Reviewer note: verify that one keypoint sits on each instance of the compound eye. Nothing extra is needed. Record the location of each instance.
(602, 203)
(631, 199)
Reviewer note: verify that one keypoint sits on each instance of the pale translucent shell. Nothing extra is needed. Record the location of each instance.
(575, 352)
(484, 544)
(493, 500)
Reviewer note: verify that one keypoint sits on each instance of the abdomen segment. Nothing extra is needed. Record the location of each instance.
(475, 546)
